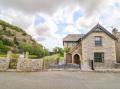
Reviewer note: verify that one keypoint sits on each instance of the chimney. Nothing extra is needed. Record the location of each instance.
(114, 31)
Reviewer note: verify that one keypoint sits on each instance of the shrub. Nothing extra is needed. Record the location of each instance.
(3, 48)
(14, 56)
(24, 34)
(8, 42)
(33, 49)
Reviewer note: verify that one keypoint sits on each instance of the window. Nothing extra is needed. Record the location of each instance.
(98, 57)
(98, 40)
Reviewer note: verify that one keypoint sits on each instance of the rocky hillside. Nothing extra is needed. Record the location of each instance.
(15, 39)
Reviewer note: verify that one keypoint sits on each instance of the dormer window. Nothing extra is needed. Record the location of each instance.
(98, 41)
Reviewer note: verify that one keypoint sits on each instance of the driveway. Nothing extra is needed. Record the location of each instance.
(59, 80)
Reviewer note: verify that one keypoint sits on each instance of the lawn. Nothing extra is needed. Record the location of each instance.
(3, 55)
(53, 57)
(33, 57)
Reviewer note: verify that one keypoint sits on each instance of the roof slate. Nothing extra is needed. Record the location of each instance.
(101, 29)
(76, 37)
(73, 37)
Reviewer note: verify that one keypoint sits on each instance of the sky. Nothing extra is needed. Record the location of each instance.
(49, 21)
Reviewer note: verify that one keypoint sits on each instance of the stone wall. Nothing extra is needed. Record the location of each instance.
(109, 64)
(4, 64)
(108, 47)
(70, 44)
(117, 35)
(25, 64)
(117, 65)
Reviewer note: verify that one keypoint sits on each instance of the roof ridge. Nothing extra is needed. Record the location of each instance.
(102, 28)
(73, 37)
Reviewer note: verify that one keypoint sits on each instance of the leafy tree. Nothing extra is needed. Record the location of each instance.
(34, 49)
(46, 52)
(1, 44)
(61, 51)
(3, 48)
(66, 50)
(7, 42)
(58, 50)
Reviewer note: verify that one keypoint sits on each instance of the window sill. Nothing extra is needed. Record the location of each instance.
(99, 62)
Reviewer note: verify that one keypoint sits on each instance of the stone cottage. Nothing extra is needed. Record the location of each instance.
(98, 45)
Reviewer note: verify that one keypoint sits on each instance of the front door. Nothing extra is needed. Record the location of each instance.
(68, 58)
(77, 60)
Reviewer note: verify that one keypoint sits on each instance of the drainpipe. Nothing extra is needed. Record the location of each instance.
(92, 64)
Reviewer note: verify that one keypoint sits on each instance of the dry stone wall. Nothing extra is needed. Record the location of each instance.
(4, 64)
(25, 64)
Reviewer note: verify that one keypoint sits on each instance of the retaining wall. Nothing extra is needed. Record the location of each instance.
(4, 64)
(29, 65)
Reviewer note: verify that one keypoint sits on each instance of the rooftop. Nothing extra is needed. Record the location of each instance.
(73, 37)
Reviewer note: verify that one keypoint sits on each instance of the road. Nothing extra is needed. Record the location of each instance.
(59, 80)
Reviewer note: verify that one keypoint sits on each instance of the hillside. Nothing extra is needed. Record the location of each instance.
(17, 40)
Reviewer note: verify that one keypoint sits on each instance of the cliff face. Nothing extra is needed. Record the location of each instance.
(12, 37)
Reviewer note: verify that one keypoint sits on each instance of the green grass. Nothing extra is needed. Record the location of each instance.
(53, 57)
(14, 56)
(3, 55)
(33, 56)
(61, 58)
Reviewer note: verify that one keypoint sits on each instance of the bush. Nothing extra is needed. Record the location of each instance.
(14, 56)
(53, 57)
(33, 56)
(66, 50)
(24, 34)
(3, 55)
(8, 42)
(3, 48)
(59, 50)
(33, 49)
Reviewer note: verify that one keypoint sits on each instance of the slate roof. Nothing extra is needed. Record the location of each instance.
(73, 37)
(94, 29)
(77, 37)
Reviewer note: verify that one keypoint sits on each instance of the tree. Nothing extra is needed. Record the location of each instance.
(55, 50)
(58, 50)
(7, 42)
(46, 52)
(3, 48)
(33, 49)
(66, 50)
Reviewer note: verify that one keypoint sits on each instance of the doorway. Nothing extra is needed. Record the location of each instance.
(77, 60)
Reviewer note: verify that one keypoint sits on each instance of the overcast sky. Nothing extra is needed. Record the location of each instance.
(48, 21)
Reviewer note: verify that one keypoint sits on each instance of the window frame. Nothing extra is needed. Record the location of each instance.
(99, 58)
(98, 42)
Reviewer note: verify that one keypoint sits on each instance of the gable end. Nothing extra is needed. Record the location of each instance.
(99, 28)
